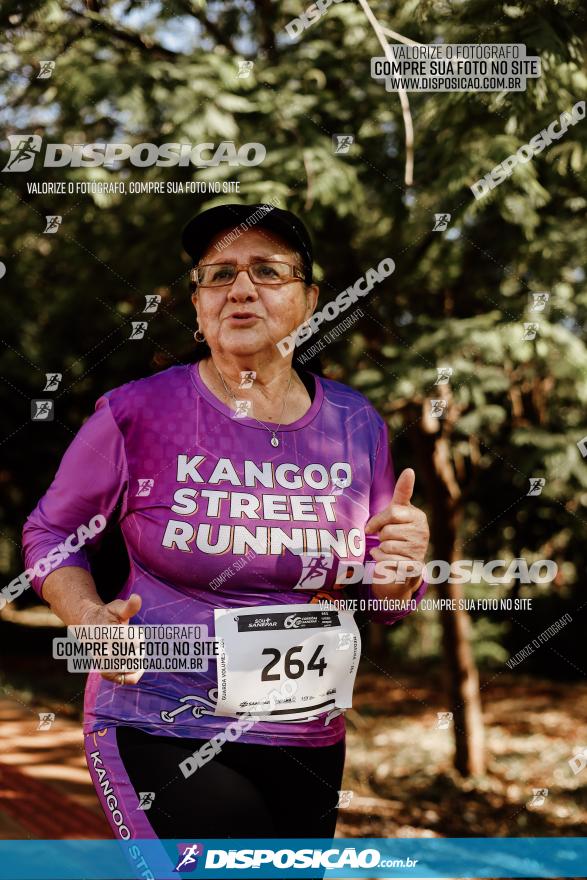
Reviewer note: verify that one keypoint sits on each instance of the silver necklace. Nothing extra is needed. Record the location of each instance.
(274, 440)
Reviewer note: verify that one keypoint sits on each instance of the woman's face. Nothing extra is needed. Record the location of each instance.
(244, 318)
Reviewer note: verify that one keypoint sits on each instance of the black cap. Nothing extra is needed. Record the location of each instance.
(202, 228)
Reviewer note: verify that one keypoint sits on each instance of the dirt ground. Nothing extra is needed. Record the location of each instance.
(398, 768)
(399, 764)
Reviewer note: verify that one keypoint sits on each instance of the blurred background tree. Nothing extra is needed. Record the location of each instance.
(515, 409)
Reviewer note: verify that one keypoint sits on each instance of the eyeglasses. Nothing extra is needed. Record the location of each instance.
(265, 272)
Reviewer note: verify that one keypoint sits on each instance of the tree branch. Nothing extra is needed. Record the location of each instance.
(210, 26)
(34, 83)
(125, 35)
(265, 8)
(402, 94)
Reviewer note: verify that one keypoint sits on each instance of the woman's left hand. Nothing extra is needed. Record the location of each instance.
(403, 533)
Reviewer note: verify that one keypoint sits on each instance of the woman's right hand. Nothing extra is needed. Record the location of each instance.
(115, 613)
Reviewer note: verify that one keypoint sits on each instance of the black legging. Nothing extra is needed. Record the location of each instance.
(246, 790)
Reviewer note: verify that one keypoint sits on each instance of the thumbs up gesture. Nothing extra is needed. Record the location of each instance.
(403, 535)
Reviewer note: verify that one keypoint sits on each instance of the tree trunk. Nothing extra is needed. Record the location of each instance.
(463, 685)
(461, 672)
(377, 640)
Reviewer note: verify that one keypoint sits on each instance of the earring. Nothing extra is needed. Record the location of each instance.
(199, 336)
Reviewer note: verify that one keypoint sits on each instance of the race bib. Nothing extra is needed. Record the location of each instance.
(285, 662)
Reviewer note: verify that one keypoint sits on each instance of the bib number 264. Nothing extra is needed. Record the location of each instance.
(293, 666)
(286, 664)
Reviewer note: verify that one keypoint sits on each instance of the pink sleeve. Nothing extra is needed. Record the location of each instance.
(85, 493)
(381, 494)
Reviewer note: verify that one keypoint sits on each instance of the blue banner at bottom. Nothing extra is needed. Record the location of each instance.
(478, 857)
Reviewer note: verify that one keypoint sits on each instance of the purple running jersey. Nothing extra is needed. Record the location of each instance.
(214, 516)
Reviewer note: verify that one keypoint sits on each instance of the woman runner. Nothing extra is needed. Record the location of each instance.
(239, 484)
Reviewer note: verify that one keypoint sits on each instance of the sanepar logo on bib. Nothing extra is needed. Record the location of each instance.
(282, 621)
(24, 149)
